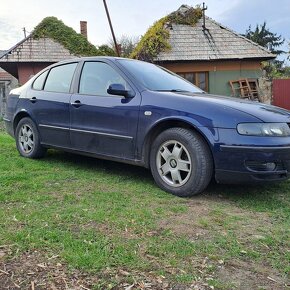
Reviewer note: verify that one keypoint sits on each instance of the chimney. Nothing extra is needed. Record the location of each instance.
(84, 30)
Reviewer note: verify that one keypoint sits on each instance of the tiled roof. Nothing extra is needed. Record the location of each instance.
(36, 50)
(216, 42)
(4, 75)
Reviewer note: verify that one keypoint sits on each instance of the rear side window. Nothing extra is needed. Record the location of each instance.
(38, 83)
(59, 78)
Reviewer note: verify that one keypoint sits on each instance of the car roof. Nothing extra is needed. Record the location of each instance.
(86, 58)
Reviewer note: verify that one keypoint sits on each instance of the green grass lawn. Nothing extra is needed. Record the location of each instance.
(73, 221)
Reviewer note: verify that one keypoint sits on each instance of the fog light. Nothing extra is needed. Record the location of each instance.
(261, 166)
(270, 166)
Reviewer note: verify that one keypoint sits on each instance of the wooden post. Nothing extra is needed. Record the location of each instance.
(112, 30)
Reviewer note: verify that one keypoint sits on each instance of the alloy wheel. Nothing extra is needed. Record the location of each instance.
(26, 139)
(174, 163)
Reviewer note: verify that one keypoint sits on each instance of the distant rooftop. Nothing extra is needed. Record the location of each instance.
(182, 36)
(51, 41)
(4, 75)
(216, 42)
(36, 50)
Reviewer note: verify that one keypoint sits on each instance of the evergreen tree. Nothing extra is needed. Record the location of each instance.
(264, 37)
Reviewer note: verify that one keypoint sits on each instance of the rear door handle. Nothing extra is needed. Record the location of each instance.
(76, 104)
(33, 99)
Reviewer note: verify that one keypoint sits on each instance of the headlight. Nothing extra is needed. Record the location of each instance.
(264, 129)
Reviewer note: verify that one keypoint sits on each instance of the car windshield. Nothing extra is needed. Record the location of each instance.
(156, 78)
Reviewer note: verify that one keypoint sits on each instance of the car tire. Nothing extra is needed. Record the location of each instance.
(27, 139)
(181, 162)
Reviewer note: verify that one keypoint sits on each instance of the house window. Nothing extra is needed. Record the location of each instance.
(200, 79)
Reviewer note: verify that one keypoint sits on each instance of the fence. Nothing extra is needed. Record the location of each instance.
(281, 93)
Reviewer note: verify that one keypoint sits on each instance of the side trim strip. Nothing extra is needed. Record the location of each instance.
(103, 134)
(6, 120)
(253, 148)
(95, 155)
(54, 127)
(87, 132)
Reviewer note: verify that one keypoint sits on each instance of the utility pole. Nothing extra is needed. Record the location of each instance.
(112, 30)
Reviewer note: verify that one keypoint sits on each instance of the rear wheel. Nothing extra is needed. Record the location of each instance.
(27, 139)
(181, 162)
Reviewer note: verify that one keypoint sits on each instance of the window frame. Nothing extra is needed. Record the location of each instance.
(72, 79)
(116, 69)
(196, 79)
(47, 73)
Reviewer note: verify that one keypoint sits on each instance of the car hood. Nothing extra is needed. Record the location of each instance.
(211, 110)
(265, 113)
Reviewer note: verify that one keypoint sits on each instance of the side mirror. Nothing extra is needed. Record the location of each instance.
(119, 90)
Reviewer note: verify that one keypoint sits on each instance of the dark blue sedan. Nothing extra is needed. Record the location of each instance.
(139, 113)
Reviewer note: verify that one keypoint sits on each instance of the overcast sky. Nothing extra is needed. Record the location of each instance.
(133, 17)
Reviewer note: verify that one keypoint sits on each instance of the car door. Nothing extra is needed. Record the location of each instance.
(102, 123)
(50, 101)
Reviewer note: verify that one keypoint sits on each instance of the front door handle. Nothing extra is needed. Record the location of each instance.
(76, 103)
(33, 100)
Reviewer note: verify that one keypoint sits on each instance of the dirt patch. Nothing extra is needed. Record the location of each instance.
(203, 215)
(37, 271)
(206, 218)
(245, 275)
(188, 223)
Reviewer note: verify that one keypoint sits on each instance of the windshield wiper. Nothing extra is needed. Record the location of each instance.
(174, 91)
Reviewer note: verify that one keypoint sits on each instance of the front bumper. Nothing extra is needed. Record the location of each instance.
(249, 160)
(250, 164)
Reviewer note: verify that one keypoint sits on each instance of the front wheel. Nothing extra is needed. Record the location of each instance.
(27, 139)
(181, 162)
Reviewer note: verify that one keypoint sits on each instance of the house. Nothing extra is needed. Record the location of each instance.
(51, 41)
(7, 82)
(30, 56)
(201, 50)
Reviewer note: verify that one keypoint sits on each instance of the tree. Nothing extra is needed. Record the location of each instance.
(106, 50)
(274, 71)
(127, 43)
(264, 37)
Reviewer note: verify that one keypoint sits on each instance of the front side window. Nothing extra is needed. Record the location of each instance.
(96, 78)
(59, 78)
(156, 78)
(38, 83)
